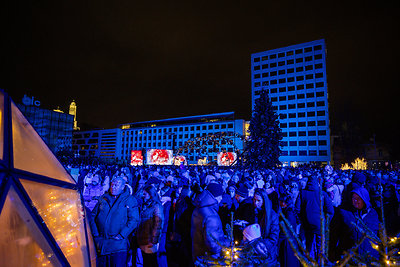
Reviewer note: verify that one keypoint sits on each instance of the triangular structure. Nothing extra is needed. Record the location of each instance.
(42, 218)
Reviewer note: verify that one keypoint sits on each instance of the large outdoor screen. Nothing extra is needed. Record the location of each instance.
(159, 157)
(226, 158)
(136, 158)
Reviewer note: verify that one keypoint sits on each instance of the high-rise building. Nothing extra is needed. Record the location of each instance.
(72, 111)
(296, 81)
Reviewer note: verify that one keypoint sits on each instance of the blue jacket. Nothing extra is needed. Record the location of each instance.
(112, 217)
(206, 228)
(307, 206)
(344, 234)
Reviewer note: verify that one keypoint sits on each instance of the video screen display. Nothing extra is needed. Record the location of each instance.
(178, 160)
(136, 158)
(159, 157)
(226, 158)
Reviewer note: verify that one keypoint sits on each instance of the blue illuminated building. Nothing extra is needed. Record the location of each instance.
(296, 81)
(116, 144)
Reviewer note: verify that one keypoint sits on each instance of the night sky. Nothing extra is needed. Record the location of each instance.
(126, 61)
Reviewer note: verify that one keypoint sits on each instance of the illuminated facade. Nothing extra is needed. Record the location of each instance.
(72, 111)
(54, 127)
(164, 134)
(295, 79)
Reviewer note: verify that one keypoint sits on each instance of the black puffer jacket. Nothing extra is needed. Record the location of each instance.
(206, 230)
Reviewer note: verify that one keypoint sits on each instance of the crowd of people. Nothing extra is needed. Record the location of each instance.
(174, 215)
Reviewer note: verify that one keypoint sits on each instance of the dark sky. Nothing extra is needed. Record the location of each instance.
(125, 61)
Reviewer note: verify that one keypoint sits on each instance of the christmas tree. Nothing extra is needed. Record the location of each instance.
(263, 146)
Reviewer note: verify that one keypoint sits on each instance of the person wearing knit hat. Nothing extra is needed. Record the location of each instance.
(252, 232)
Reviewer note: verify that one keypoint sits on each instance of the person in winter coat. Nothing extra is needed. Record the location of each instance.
(114, 217)
(206, 227)
(261, 213)
(345, 235)
(150, 226)
(308, 208)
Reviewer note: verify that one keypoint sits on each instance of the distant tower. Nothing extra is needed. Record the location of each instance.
(72, 111)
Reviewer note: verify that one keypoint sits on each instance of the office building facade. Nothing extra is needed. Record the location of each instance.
(54, 127)
(170, 134)
(296, 81)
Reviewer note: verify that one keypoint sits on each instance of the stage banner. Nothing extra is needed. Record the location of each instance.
(226, 158)
(178, 160)
(159, 157)
(136, 158)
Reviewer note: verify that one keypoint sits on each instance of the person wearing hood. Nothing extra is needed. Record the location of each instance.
(358, 180)
(308, 208)
(344, 235)
(114, 217)
(150, 226)
(206, 227)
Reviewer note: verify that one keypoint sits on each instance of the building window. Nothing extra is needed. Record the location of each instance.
(291, 97)
(323, 153)
(273, 73)
(319, 75)
(321, 132)
(292, 124)
(256, 67)
(312, 133)
(300, 96)
(309, 95)
(274, 90)
(302, 124)
(322, 142)
(289, 61)
(284, 134)
(291, 106)
(299, 60)
(293, 153)
(321, 123)
(312, 152)
(290, 88)
(302, 143)
(256, 76)
(293, 143)
(274, 99)
(300, 87)
(282, 116)
(307, 49)
(301, 115)
(319, 56)
(309, 58)
(281, 63)
(272, 65)
(282, 107)
(284, 153)
(321, 113)
(292, 134)
(265, 83)
(311, 123)
(283, 80)
(282, 98)
(317, 47)
(299, 78)
(301, 105)
(318, 66)
(320, 103)
(283, 125)
(264, 58)
(309, 76)
(312, 143)
(292, 115)
(299, 69)
(283, 143)
(311, 114)
(299, 51)
(319, 94)
(281, 72)
(310, 104)
(256, 59)
(264, 66)
(309, 67)
(290, 79)
(257, 84)
(302, 153)
(290, 70)
(265, 75)
(319, 84)
(309, 85)
(282, 89)
(302, 133)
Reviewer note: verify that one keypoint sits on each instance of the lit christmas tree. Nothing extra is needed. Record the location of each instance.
(263, 146)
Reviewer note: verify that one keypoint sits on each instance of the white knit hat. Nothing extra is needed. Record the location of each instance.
(252, 232)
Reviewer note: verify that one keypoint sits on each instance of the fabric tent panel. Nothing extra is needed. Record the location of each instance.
(62, 212)
(21, 241)
(31, 153)
(1, 124)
